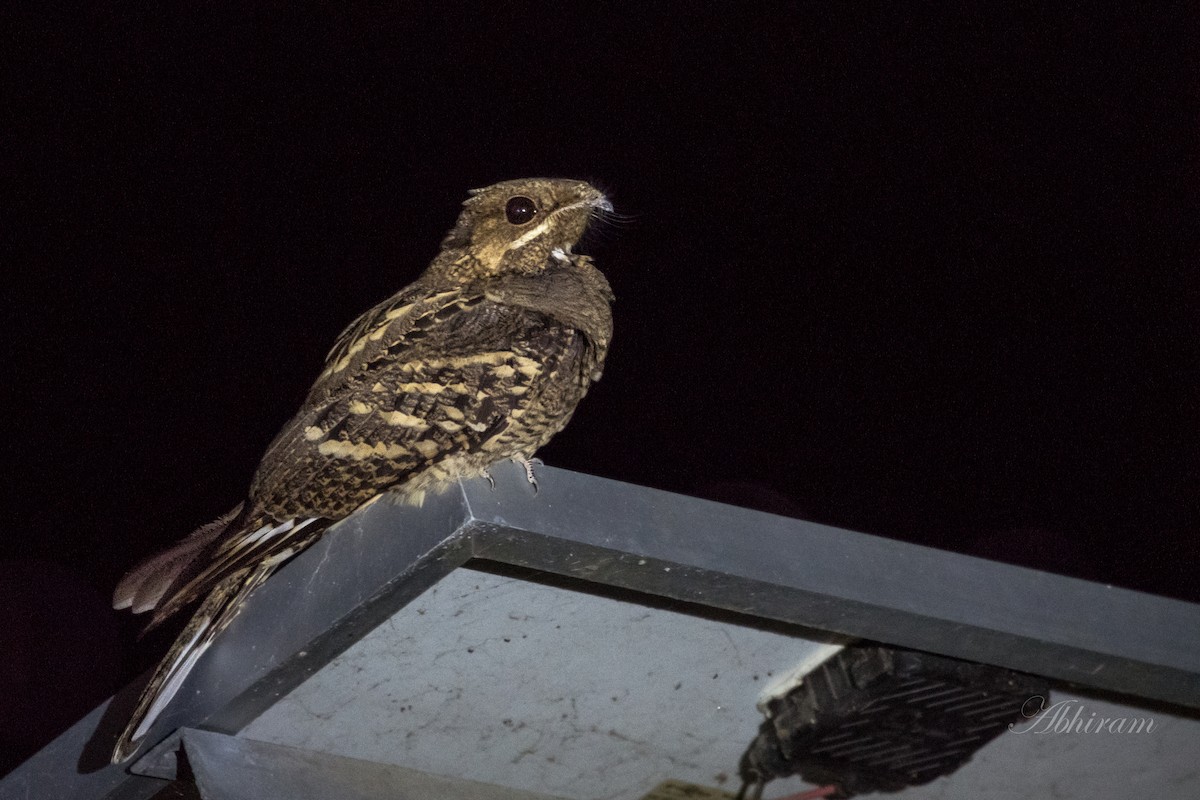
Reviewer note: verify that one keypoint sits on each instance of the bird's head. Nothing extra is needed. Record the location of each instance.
(519, 226)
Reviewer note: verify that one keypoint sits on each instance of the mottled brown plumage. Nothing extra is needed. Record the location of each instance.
(482, 358)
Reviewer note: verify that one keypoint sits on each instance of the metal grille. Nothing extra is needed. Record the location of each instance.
(877, 719)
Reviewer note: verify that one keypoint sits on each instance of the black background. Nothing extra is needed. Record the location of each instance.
(925, 273)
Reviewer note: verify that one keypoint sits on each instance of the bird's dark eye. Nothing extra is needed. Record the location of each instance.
(520, 210)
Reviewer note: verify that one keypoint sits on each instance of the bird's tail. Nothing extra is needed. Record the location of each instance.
(144, 586)
(216, 612)
(225, 560)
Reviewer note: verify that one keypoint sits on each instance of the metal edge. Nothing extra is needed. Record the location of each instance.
(353, 578)
(616, 534)
(367, 568)
(842, 582)
(230, 766)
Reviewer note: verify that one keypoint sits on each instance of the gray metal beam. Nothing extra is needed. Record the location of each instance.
(844, 582)
(662, 544)
(230, 768)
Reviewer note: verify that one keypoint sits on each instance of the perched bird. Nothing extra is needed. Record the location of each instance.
(483, 358)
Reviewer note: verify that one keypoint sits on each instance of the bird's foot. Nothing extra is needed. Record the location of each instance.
(491, 480)
(528, 463)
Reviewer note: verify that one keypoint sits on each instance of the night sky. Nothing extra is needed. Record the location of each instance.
(929, 275)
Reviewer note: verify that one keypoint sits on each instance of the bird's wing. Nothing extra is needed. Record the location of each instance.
(444, 377)
(412, 382)
(447, 381)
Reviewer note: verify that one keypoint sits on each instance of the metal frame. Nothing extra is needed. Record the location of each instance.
(232, 767)
(654, 542)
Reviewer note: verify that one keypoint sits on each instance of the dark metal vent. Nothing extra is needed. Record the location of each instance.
(874, 719)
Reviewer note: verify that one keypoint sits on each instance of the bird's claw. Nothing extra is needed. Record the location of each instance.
(528, 463)
(490, 479)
